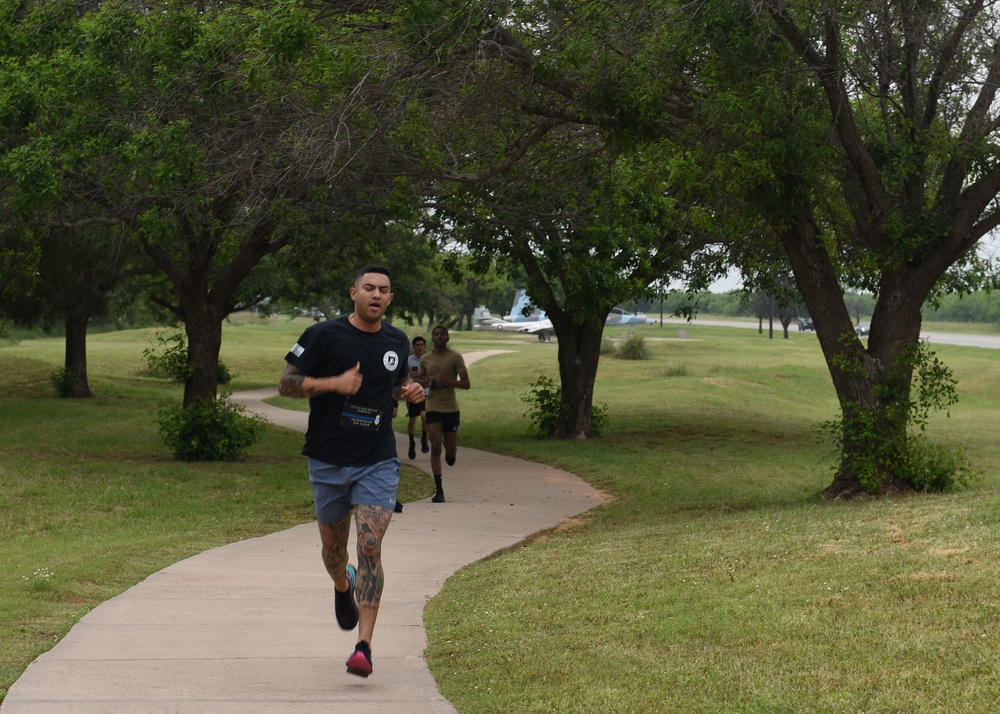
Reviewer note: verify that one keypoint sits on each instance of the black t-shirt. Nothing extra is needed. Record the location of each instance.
(355, 430)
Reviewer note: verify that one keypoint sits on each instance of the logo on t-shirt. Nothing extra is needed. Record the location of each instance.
(390, 360)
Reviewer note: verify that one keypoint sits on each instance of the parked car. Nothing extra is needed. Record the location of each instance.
(863, 329)
(806, 323)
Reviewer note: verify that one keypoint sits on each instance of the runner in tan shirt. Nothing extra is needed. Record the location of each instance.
(442, 371)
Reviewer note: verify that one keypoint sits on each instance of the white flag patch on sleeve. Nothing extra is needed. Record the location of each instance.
(297, 349)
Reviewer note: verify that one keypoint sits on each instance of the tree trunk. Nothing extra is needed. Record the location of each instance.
(205, 295)
(579, 356)
(204, 335)
(873, 397)
(75, 362)
(872, 383)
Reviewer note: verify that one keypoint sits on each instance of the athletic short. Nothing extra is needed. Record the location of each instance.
(414, 410)
(449, 420)
(337, 488)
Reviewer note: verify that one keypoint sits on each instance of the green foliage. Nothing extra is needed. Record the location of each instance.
(545, 400)
(7, 336)
(677, 370)
(210, 430)
(978, 306)
(937, 468)
(874, 450)
(547, 408)
(64, 383)
(632, 347)
(598, 419)
(169, 361)
(934, 384)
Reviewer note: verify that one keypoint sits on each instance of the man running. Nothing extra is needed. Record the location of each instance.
(351, 368)
(443, 371)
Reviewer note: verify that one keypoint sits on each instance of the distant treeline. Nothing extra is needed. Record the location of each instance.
(980, 306)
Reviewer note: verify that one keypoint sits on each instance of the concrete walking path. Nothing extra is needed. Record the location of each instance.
(249, 627)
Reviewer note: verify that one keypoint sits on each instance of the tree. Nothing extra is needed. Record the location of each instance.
(76, 272)
(541, 167)
(587, 235)
(859, 137)
(865, 137)
(19, 108)
(217, 135)
(72, 265)
(773, 293)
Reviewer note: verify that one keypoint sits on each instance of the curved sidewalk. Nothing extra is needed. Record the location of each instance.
(249, 627)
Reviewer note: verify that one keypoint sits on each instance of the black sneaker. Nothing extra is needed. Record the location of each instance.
(438, 497)
(398, 508)
(450, 460)
(344, 604)
(360, 663)
(412, 453)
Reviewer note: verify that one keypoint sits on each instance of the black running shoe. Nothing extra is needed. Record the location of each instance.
(450, 460)
(344, 604)
(438, 497)
(360, 663)
(398, 508)
(412, 453)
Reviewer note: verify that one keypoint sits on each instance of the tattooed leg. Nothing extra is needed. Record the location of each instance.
(372, 522)
(334, 539)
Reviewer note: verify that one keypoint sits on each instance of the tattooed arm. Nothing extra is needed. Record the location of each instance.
(297, 385)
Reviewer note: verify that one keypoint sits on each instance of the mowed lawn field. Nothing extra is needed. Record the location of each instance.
(716, 580)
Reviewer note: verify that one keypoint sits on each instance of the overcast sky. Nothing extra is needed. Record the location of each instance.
(989, 247)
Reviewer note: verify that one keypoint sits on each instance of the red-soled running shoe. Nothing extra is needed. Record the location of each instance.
(360, 663)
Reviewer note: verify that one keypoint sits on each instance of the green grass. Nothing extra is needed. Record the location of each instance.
(715, 581)
(718, 581)
(90, 500)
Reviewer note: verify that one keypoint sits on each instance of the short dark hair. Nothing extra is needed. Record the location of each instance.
(372, 268)
(417, 339)
(440, 327)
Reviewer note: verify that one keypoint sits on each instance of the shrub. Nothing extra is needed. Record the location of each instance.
(7, 336)
(632, 347)
(64, 383)
(607, 346)
(546, 412)
(170, 362)
(936, 468)
(677, 370)
(210, 430)
(877, 452)
(545, 400)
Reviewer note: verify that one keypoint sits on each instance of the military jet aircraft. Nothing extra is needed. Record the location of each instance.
(525, 318)
(515, 322)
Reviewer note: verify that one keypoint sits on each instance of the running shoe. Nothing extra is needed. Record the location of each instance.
(360, 663)
(344, 603)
